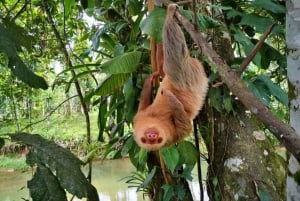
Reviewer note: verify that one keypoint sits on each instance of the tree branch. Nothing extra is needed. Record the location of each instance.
(283, 132)
(49, 114)
(253, 52)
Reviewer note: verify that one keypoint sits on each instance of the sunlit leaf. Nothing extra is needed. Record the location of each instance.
(110, 84)
(126, 63)
(68, 4)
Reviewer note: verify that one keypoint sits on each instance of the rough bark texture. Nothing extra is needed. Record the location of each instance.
(243, 163)
(293, 63)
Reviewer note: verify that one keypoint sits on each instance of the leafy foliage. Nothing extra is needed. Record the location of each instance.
(11, 47)
(54, 165)
(171, 157)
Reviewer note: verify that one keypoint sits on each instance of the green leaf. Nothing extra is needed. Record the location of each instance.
(187, 172)
(19, 35)
(153, 24)
(240, 37)
(127, 146)
(227, 103)
(148, 178)
(171, 157)
(264, 195)
(215, 98)
(10, 47)
(106, 28)
(168, 192)
(126, 63)
(275, 90)
(64, 164)
(44, 186)
(268, 5)
(68, 4)
(252, 19)
(110, 84)
(188, 152)
(259, 91)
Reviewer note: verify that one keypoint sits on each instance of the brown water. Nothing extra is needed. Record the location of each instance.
(107, 178)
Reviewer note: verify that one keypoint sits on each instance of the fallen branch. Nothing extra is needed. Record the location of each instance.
(283, 132)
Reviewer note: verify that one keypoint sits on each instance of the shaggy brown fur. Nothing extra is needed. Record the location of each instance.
(179, 98)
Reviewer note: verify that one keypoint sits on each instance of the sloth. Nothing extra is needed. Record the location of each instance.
(180, 96)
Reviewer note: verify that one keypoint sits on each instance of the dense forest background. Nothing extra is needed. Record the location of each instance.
(89, 58)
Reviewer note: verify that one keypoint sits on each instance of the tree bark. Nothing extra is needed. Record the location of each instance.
(243, 164)
(293, 63)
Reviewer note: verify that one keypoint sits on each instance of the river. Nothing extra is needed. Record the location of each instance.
(107, 178)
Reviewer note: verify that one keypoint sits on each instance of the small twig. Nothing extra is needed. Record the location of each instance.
(255, 49)
(49, 114)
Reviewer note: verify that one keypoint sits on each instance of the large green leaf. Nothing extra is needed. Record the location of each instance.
(68, 4)
(260, 91)
(240, 37)
(44, 186)
(61, 162)
(10, 47)
(110, 84)
(268, 5)
(153, 24)
(253, 19)
(106, 28)
(275, 89)
(188, 152)
(126, 63)
(148, 178)
(171, 157)
(168, 192)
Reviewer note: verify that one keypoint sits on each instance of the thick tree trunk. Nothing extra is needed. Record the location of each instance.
(243, 164)
(293, 63)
